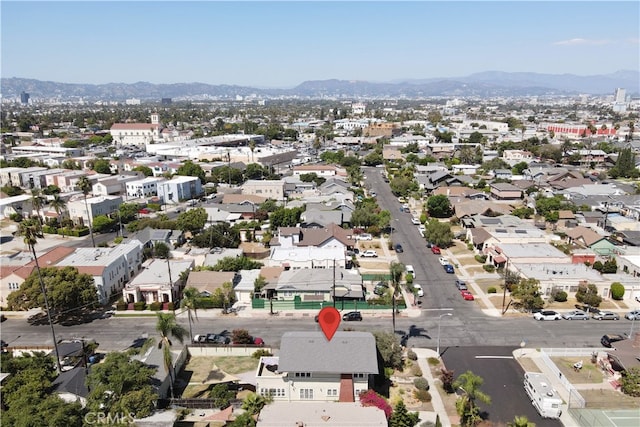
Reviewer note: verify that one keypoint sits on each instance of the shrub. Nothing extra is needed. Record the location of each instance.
(118, 240)
(470, 246)
(155, 306)
(492, 290)
(409, 278)
(388, 372)
(241, 336)
(489, 268)
(416, 371)
(446, 376)
(433, 361)
(598, 266)
(617, 291)
(371, 398)
(121, 305)
(139, 306)
(411, 355)
(170, 306)
(49, 230)
(422, 395)
(421, 383)
(559, 295)
(259, 353)
(481, 258)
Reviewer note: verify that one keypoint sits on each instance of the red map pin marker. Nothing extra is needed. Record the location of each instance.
(329, 319)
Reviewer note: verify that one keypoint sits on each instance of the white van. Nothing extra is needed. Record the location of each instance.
(543, 397)
(410, 270)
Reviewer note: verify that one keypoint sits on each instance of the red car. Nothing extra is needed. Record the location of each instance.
(468, 296)
(435, 250)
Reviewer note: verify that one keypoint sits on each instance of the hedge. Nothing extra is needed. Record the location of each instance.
(139, 306)
(155, 306)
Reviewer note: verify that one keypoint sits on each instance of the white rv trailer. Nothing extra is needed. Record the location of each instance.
(544, 398)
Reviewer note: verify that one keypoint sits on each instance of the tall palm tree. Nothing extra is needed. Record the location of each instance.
(85, 186)
(59, 205)
(31, 230)
(252, 147)
(466, 406)
(190, 303)
(396, 270)
(37, 202)
(168, 326)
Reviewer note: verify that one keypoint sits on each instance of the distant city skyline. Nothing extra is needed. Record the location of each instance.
(268, 44)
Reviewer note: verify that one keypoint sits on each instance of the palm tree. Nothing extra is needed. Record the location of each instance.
(31, 230)
(85, 186)
(252, 147)
(167, 325)
(396, 270)
(466, 406)
(59, 205)
(38, 202)
(254, 403)
(190, 303)
(521, 421)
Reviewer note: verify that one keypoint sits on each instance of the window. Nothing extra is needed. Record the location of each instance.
(303, 375)
(361, 376)
(331, 392)
(306, 394)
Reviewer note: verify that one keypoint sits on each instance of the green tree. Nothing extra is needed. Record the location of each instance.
(236, 264)
(128, 212)
(402, 185)
(218, 235)
(588, 295)
(221, 396)
(119, 385)
(168, 326)
(284, 217)
(28, 394)
(617, 291)
(189, 168)
(520, 421)
(390, 349)
(192, 220)
(476, 138)
(190, 302)
(254, 403)
(439, 233)
(401, 417)
(373, 159)
(102, 166)
(518, 168)
(527, 292)
(146, 170)
(103, 224)
(630, 382)
(625, 166)
(439, 206)
(523, 212)
(37, 201)
(396, 271)
(466, 406)
(254, 171)
(84, 185)
(59, 205)
(67, 291)
(259, 283)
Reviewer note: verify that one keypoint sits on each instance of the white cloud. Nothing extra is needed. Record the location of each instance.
(634, 41)
(579, 41)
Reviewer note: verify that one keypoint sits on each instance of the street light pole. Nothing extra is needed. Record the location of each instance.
(440, 321)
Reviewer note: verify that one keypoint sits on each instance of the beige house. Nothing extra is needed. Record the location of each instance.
(269, 189)
(206, 282)
(505, 191)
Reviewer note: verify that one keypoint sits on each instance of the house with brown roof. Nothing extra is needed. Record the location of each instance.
(243, 199)
(583, 236)
(206, 282)
(505, 191)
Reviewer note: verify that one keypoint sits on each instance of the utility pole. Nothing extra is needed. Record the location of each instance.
(334, 283)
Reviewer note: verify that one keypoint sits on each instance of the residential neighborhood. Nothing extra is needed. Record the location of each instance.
(199, 255)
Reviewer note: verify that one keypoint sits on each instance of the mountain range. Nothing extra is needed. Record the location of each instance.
(484, 84)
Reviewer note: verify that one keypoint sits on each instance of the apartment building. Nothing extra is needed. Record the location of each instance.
(99, 205)
(180, 188)
(269, 189)
(147, 187)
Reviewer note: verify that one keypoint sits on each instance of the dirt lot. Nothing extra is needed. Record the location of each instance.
(589, 374)
(201, 373)
(609, 399)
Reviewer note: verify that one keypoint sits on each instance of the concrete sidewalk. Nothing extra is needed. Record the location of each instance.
(436, 400)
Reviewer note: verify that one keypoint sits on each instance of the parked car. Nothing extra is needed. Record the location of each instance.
(415, 221)
(606, 315)
(575, 315)
(633, 315)
(422, 227)
(448, 268)
(398, 248)
(435, 250)
(461, 285)
(547, 315)
(468, 296)
(369, 254)
(609, 339)
(443, 261)
(410, 270)
(380, 288)
(418, 290)
(352, 315)
(258, 341)
(364, 236)
(211, 339)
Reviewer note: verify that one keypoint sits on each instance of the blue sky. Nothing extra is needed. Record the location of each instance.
(282, 44)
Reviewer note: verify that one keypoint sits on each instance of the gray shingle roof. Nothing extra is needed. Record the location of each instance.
(347, 352)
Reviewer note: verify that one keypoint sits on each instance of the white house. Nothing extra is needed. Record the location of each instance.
(110, 268)
(100, 205)
(311, 368)
(180, 188)
(137, 133)
(146, 187)
(159, 281)
(112, 185)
